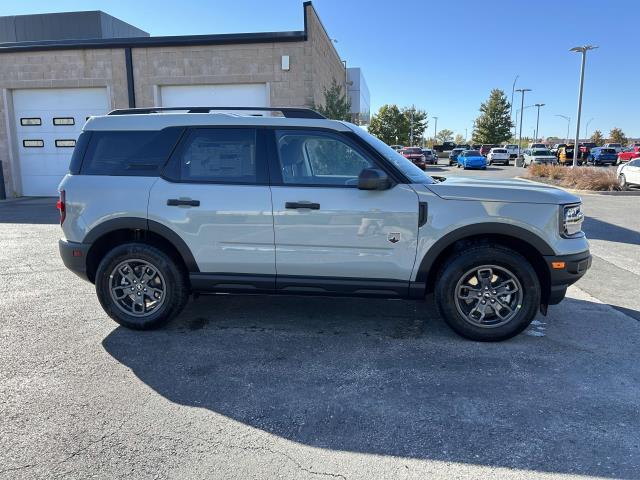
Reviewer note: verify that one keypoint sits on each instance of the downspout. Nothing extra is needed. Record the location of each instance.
(128, 60)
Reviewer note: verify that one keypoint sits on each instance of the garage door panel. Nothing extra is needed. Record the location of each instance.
(222, 95)
(42, 168)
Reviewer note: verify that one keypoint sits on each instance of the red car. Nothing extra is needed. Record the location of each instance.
(485, 149)
(629, 154)
(415, 155)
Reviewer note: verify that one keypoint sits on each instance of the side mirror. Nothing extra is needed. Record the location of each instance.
(373, 179)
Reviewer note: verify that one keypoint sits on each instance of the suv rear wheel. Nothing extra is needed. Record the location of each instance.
(140, 286)
(488, 293)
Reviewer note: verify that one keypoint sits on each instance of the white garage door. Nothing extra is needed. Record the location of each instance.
(232, 95)
(48, 122)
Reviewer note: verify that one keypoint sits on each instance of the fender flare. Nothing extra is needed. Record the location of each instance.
(489, 228)
(143, 224)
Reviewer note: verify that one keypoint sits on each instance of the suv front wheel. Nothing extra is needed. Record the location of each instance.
(488, 293)
(140, 286)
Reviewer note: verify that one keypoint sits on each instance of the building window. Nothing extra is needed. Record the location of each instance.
(33, 143)
(30, 122)
(64, 121)
(65, 143)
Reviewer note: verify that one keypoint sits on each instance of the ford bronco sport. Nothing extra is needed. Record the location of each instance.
(160, 203)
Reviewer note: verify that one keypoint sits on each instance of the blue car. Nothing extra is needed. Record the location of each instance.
(602, 156)
(472, 159)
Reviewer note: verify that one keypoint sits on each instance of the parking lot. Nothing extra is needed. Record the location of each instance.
(294, 387)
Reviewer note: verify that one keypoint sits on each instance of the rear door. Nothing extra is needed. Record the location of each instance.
(215, 195)
(325, 227)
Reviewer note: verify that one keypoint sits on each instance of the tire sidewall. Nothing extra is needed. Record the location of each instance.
(175, 285)
(475, 257)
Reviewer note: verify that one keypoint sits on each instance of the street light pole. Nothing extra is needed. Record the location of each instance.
(568, 119)
(413, 109)
(435, 130)
(538, 117)
(511, 107)
(584, 49)
(522, 91)
(586, 128)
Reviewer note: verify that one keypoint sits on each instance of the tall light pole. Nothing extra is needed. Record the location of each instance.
(511, 107)
(435, 129)
(568, 119)
(465, 135)
(586, 128)
(413, 109)
(538, 118)
(521, 90)
(584, 49)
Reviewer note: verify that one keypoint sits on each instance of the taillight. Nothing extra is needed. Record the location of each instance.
(61, 206)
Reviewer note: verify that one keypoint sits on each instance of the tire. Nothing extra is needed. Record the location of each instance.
(622, 182)
(131, 265)
(504, 263)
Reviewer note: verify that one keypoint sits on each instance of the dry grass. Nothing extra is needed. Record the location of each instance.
(580, 178)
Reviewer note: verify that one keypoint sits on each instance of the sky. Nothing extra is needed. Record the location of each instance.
(441, 56)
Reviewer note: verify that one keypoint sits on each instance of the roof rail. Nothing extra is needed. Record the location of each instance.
(286, 111)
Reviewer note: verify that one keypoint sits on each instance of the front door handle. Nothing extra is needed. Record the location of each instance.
(177, 202)
(309, 205)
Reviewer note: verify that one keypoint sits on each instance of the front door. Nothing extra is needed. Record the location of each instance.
(217, 199)
(325, 227)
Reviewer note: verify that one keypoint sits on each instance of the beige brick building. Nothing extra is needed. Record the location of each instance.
(49, 87)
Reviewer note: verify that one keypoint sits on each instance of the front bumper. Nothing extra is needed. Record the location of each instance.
(575, 266)
(74, 256)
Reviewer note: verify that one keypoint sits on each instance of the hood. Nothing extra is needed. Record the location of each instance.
(511, 191)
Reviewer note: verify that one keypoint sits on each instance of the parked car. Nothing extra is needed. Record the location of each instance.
(453, 156)
(415, 155)
(629, 174)
(565, 155)
(485, 149)
(430, 157)
(585, 148)
(464, 146)
(209, 202)
(512, 149)
(498, 155)
(533, 146)
(397, 148)
(628, 154)
(617, 146)
(472, 159)
(602, 156)
(445, 147)
(556, 148)
(537, 155)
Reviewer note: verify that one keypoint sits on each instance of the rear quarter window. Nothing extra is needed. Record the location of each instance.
(128, 153)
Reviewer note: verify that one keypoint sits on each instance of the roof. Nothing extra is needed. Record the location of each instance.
(163, 41)
(158, 121)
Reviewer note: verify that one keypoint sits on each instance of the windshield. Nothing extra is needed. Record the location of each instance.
(511, 146)
(607, 150)
(471, 153)
(405, 166)
(412, 150)
(615, 145)
(499, 150)
(542, 153)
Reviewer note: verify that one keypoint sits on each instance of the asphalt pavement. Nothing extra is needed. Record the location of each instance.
(293, 387)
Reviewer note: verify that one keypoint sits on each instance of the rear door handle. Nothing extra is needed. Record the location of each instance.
(177, 202)
(309, 205)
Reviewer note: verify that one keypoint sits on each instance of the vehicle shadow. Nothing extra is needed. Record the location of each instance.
(388, 378)
(41, 210)
(598, 230)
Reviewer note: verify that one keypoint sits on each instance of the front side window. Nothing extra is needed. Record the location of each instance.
(318, 158)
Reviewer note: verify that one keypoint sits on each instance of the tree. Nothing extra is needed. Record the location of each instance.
(336, 104)
(389, 125)
(444, 135)
(392, 125)
(616, 135)
(597, 138)
(459, 139)
(494, 123)
(418, 122)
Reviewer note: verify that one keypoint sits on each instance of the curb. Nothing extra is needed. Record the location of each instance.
(612, 193)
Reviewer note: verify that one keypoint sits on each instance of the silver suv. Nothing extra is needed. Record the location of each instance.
(162, 203)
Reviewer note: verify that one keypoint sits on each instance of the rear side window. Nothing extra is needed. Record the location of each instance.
(219, 155)
(131, 153)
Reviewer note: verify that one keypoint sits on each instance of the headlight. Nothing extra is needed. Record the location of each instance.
(571, 220)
